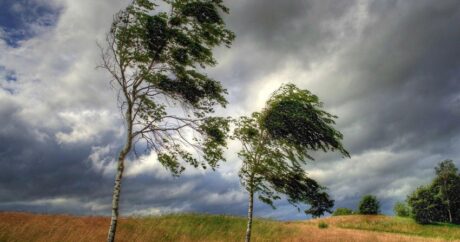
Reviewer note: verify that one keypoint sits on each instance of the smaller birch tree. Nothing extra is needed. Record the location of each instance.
(276, 144)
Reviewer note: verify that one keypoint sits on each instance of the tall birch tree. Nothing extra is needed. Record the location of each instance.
(156, 53)
(275, 146)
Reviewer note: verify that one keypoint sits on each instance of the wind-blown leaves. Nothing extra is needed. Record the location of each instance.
(276, 143)
(295, 118)
(158, 61)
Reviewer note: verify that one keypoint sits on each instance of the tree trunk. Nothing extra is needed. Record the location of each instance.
(447, 201)
(450, 213)
(118, 177)
(250, 212)
(116, 196)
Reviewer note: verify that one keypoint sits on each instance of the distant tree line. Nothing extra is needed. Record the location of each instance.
(368, 205)
(436, 202)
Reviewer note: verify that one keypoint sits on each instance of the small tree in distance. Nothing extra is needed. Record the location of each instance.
(342, 212)
(401, 209)
(156, 60)
(275, 146)
(369, 205)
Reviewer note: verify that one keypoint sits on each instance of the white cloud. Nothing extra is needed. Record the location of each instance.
(226, 198)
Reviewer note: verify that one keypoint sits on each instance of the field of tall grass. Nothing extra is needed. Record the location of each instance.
(179, 227)
(19, 227)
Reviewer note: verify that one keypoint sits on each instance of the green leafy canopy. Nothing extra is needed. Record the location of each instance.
(275, 146)
(369, 205)
(295, 118)
(157, 55)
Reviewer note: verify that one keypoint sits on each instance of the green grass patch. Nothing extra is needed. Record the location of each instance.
(401, 226)
(322, 225)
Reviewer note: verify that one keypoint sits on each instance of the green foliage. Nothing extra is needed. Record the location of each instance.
(342, 212)
(273, 158)
(445, 168)
(426, 206)
(369, 205)
(440, 200)
(323, 225)
(447, 187)
(295, 118)
(301, 189)
(157, 58)
(401, 209)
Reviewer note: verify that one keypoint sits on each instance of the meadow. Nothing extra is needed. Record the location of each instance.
(201, 227)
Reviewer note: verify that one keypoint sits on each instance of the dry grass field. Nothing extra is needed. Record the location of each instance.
(196, 227)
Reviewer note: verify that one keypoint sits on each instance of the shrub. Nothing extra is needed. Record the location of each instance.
(369, 205)
(323, 225)
(401, 209)
(342, 211)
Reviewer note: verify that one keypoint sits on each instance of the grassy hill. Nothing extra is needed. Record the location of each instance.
(198, 227)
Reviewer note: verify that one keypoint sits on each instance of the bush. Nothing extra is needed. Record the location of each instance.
(369, 205)
(323, 225)
(342, 211)
(401, 209)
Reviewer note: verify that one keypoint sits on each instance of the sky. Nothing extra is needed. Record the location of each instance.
(389, 69)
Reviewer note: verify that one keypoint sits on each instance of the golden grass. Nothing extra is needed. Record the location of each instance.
(183, 227)
(399, 225)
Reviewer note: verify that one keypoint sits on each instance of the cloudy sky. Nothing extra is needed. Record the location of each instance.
(389, 69)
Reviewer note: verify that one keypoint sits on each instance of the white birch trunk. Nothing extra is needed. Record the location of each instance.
(250, 213)
(118, 177)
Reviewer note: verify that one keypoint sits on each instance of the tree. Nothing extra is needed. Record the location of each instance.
(369, 205)
(157, 63)
(426, 206)
(438, 201)
(342, 212)
(447, 184)
(275, 145)
(401, 209)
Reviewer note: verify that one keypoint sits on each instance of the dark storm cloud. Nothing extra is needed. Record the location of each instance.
(270, 33)
(34, 166)
(395, 86)
(407, 77)
(403, 96)
(39, 174)
(393, 78)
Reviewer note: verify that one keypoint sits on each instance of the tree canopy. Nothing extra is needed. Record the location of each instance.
(157, 61)
(369, 204)
(401, 209)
